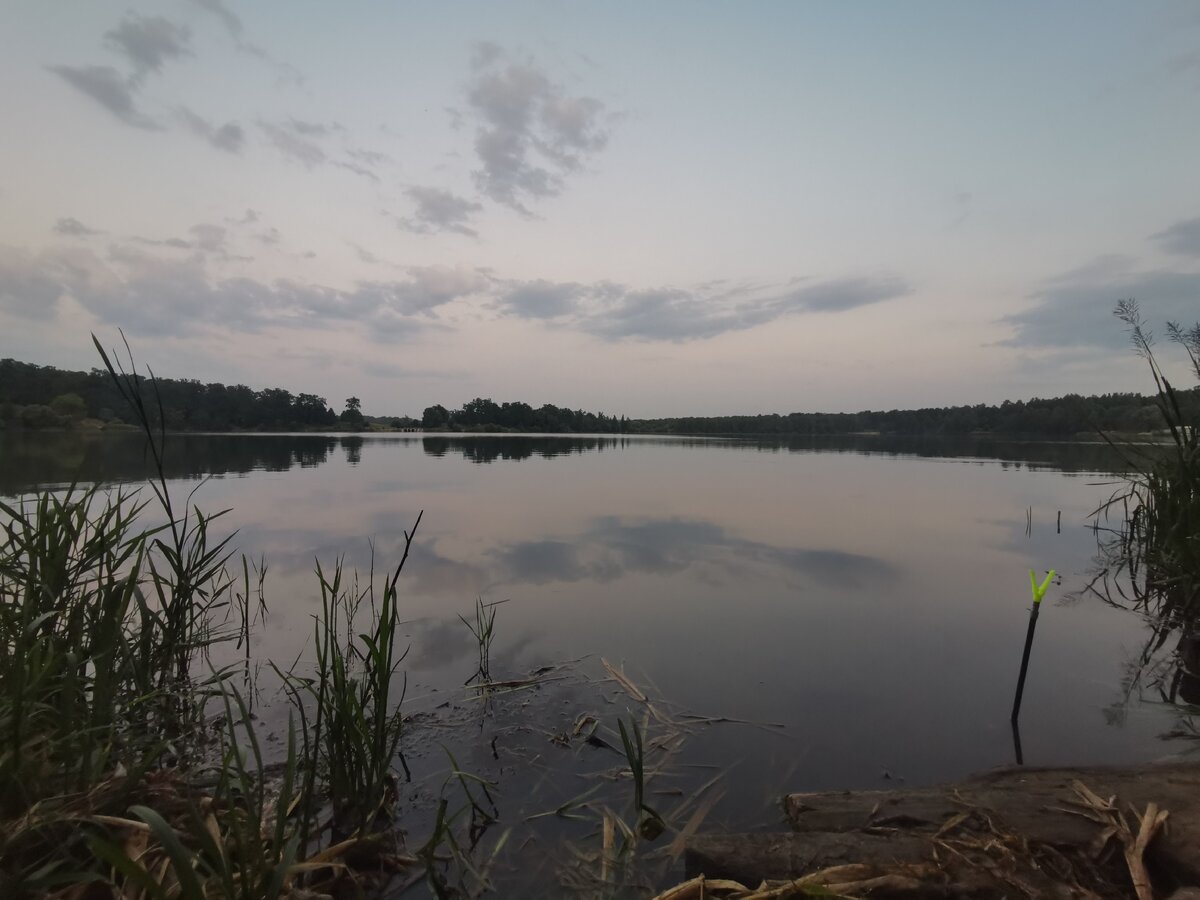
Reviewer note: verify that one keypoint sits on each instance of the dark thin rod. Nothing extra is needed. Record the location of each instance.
(1033, 617)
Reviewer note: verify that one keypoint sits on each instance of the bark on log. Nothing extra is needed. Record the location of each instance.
(1023, 813)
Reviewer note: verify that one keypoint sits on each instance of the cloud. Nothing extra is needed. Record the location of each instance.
(147, 293)
(313, 129)
(543, 299)
(357, 170)
(229, 137)
(1182, 238)
(616, 312)
(1075, 309)
(227, 17)
(298, 141)
(286, 73)
(28, 286)
(294, 146)
(426, 288)
(209, 238)
(148, 42)
(368, 157)
(531, 134)
(72, 227)
(439, 210)
(106, 86)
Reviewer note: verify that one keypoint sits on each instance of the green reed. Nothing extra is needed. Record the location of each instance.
(356, 719)
(107, 773)
(483, 629)
(1156, 541)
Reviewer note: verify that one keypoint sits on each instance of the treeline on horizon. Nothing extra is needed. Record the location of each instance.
(1065, 416)
(487, 415)
(33, 396)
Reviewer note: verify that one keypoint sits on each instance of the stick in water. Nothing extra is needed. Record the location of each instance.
(1039, 591)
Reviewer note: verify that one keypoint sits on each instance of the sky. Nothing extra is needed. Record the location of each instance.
(643, 209)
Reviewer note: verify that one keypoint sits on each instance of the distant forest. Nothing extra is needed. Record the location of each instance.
(45, 397)
(34, 396)
(487, 415)
(1056, 417)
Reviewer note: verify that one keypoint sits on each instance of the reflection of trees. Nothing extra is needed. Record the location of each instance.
(45, 458)
(490, 448)
(353, 448)
(33, 460)
(1051, 455)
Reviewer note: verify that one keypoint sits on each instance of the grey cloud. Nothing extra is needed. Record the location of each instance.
(313, 129)
(106, 86)
(230, 137)
(287, 73)
(74, 228)
(531, 134)
(174, 242)
(616, 312)
(543, 299)
(844, 294)
(210, 238)
(227, 17)
(149, 41)
(1182, 238)
(1075, 309)
(368, 157)
(357, 170)
(150, 294)
(439, 210)
(28, 286)
(297, 141)
(427, 288)
(293, 146)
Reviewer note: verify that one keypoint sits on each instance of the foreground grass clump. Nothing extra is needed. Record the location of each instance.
(109, 777)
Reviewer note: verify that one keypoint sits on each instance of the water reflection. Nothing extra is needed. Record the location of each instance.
(613, 547)
(34, 460)
(490, 448)
(38, 459)
(868, 592)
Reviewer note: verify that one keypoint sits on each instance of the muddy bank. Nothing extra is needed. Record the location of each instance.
(1008, 833)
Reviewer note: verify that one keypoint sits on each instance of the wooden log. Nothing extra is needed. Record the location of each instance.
(1009, 832)
(1026, 801)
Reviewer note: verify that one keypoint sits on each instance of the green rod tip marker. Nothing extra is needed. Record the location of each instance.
(1039, 590)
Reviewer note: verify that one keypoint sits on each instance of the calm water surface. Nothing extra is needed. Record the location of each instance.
(869, 597)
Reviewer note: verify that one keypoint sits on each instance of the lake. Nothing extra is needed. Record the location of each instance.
(859, 605)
